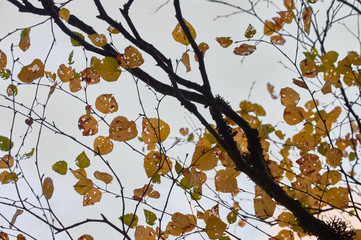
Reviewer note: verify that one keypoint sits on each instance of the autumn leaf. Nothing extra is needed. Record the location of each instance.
(181, 223)
(264, 206)
(48, 188)
(144, 233)
(3, 60)
(309, 165)
(106, 103)
(103, 176)
(215, 227)
(203, 47)
(278, 40)
(309, 68)
(65, 73)
(98, 40)
(185, 61)
(75, 85)
(24, 43)
(289, 4)
(150, 217)
(107, 68)
(131, 58)
(93, 196)
(289, 97)
(130, 219)
(6, 161)
(120, 129)
(102, 145)
(64, 13)
(250, 31)
(32, 71)
(154, 131)
(79, 173)
(74, 42)
(269, 28)
(5, 144)
(224, 41)
(156, 163)
(299, 83)
(244, 50)
(82, 160)
(330, 177)
(60, 167)
(90, 76)
(88, 124)
(307, 18)
(225, 180)
(179, 35)
(334, 157)
(293, 115)
(85, 237)
(204, 157)
(286, 219)
(287, 16)
(83, 186)
(15, 216)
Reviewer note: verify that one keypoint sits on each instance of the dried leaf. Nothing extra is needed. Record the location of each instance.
(309, 68)
(120, 129)
(88, 124)
(154, 131)
(6, 161)
(144, 233)
(3, 60)
(107, 68)
(224, 41)
(250, 31)
(24, 43)
(48, 188)
(92, 197)
(15, 216)
(299, 83)
(334, 157)
(278, 40)
(244, 50)
(269, 28)
(131, 58)
(102, 145)
(185, 61)
(307, 18)
(225, 180)
(289, 97)
(83, 186)
(106, 103)
(98, 40)
(32, 71)
(215, 227)
(103, 176)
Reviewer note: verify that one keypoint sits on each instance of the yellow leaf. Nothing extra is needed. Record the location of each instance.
(330, 177)
(334, 157)
(120, 129)
(270, 89)
(264, 206)
(112, 30)
(103, 145)
(48, 188)
(146, 190)
(64, 13)
(4, 236)
(65, 73)
(224, 41)
(20, 237)
(181, 224)
(269, 28)
(293, 115)
(289, 97)
(304, 141)
(215, 227)
(83, 186)
(32, 71)
(225, 180)
(92, 196)
(6, 161)
(326, 88)
(154, 131)
(185, 61)
(24, 43)
(107, 68)
(244, 50)
(179, 35)
(79, 173)
(103, 176)
(88, 124)
(337, 197)
(285, 235)
(329, 58)
(98, 40)
(131, 58)
(309, 68)
(204, 157)
(307, 17)
(203, 47)
(194, 177)
(144, 233)
(3, 60)
(156, 163)
(286, 219)
(74, 84)
(310, 165)
(106, 103)
(287, 16)
(289, 4)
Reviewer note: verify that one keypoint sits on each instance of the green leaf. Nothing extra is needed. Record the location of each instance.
(185, 184)
(196, 194)
(29, 154)
(156, 178)
(82, 160)
(130, 220)
(70, 58)
(232, 216)
(5, 144)
(224, 238)
(10, 177)
(12, 90)
(150, 217)
(108, 68)
(60, 167)
(178, 168)
(5, 73)
(74, 42)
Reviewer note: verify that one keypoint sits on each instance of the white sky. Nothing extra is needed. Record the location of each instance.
(228, 76)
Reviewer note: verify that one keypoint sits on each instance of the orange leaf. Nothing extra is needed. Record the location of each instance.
(179, 35)
(310, 165)
(244, 49)
(154, 130)
(225, 180)
(24, 43)
(92, 196)
(299, 83)
(293, 115)
(309, 68)
(88, 124)
(286, 16)
(131, 58)
(278, 39)
(144, 233)
(98, 40)
(6, 161)
(106, 103)
(204, 157)
(85, 237)
(89, 76)
(102, 145)
(334, 157)
(289, 97)
(103, 176)
(224, 41)
(120, 129)
(269, 28)
(289, 4)
(185, 61)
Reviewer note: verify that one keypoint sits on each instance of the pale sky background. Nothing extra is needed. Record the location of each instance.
(229, 77)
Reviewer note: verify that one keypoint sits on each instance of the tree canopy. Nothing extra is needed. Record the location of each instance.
(112, 92)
